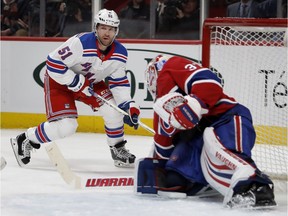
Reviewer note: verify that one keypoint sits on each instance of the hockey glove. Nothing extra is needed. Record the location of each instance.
(81, 86)
(165, 105)
(133, 113)
(187, 115)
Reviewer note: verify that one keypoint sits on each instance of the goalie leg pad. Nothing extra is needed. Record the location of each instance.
(226, 171)
(151, 177)
(149, 173)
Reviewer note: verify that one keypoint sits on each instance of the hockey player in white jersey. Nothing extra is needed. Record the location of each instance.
(75, 70)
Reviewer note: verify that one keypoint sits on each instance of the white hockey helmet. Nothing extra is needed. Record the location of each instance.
(107, 17)
(152, 72)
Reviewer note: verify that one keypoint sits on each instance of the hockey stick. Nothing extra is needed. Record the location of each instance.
(82, 182)
(146, 127)
(62, 166)
(3, 163)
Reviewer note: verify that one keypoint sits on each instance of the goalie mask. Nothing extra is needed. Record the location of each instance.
(107, 17)
(152, 71)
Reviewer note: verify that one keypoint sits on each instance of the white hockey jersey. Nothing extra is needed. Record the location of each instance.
(80, 55)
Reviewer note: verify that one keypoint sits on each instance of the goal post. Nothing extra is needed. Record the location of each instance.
(250, 56)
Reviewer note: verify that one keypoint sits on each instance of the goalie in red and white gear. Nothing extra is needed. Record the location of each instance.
(203, 137)
(74, 70)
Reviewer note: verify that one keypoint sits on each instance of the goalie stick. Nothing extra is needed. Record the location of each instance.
(110, 182)
(146, 127)
(81, 182)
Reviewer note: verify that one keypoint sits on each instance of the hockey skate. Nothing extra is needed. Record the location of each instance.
(258, 196)
(22, 148)
(121, 156)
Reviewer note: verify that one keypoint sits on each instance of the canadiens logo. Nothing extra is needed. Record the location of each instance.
(166, 129)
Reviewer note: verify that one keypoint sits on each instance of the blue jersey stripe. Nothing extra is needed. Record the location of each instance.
(206, 75)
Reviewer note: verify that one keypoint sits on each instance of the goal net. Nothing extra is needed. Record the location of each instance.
(250, 55)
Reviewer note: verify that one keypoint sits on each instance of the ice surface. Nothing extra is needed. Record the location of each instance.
(39, 190)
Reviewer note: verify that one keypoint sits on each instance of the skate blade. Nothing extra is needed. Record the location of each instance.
(15, 150)
(252, 207)
(121, 164)
(268, 206)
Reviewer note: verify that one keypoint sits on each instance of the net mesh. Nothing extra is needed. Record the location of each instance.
(258, 55)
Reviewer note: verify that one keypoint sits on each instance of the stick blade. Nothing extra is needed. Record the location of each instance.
(62, 166)
(3, 163)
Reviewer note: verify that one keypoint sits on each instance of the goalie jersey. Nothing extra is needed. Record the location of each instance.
(187, 77)
(80, 55)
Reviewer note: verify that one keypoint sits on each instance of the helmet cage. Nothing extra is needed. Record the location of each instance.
(152, 72)
(151, 75)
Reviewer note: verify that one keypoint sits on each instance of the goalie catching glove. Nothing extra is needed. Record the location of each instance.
(181, 112)
(133, 112)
